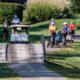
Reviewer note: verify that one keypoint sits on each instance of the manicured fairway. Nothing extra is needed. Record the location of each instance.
(66, 61)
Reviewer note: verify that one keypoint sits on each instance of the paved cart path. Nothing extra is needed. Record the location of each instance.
(49, 49)
(3, 52)
(35, 71)
(31, 68)
(25, 53)
(27, 60)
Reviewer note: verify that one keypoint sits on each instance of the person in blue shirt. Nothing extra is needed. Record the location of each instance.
(65, 28)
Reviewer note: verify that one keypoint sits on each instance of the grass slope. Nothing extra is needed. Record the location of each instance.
(66, 61)
(7, 74)
(42, 28)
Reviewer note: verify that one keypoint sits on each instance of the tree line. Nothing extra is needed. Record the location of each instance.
(75, 6)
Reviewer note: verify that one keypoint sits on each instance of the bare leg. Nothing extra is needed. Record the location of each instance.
(3, 36)
(15, 31)
(64, 40)
(72, 37)
(7, 35)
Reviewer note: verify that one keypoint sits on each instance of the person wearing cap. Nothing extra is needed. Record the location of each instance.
(52, 31)
(52, 26)
(15, 21)
(72, 27)
(65, 28)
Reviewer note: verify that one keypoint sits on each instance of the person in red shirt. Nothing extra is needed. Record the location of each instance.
(72, 27)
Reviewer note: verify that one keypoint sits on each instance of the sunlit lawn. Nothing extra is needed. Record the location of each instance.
(66, 61)
(7, 74)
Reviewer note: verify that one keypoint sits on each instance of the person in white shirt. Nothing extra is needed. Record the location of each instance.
(15, 21)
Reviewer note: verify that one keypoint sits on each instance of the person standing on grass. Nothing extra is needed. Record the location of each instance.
(52, 27)
(65, 28)
(5, 30)
(72, 27)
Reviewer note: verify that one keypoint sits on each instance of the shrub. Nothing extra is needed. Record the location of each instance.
(75, 6)
(77, 23)
(8, 10)
(40, 12)
(59, 3)
(67, 13)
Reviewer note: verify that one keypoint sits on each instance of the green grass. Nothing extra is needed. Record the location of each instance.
(76, 16)
(7, 74)
(66, 61)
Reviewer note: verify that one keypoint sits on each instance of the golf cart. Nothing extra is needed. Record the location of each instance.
(16, 37)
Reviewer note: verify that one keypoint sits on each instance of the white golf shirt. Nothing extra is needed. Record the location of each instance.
(15, 21)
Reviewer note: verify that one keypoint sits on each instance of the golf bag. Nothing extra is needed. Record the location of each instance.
(51, 39)
(59, 37)
(69, 38)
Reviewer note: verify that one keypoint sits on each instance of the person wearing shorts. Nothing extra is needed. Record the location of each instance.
(72, 27)
(65, 28)
(5, 30)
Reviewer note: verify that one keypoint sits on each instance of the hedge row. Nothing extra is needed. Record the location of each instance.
(8, 10)
(38, 12)
(75, 6)
(41, 12)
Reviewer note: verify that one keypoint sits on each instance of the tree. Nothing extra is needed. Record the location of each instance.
(75, 6)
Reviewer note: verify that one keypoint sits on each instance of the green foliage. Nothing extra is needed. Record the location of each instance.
(41, 12)
(67, 13)
(56, 12)
(77, 22)
(8, 10)
(75, 6)
(76, 16)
